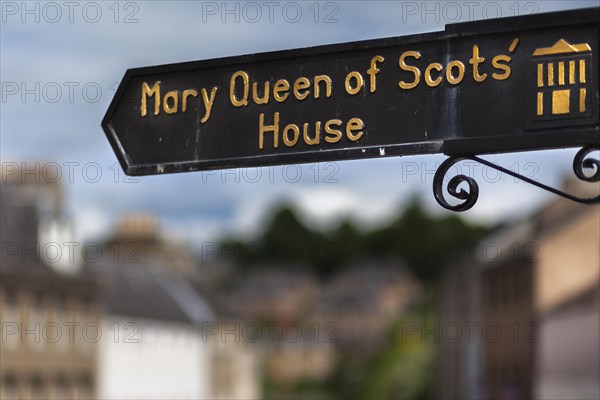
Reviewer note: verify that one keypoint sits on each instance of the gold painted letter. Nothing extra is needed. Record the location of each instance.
(506, 68)
(317, 138)
(416, 71)
(475, 61)
(373, 71)
(301, 83)
(262, 129)
(281, 86)
(455, 80)
(354, 125)
(265, 98)
(296, 132)
(147, 92)
(208, 102)
(336, 134)
(327, 80)
(234, 100)
(433, 82)
(173, 94)
(359, 82)
(184, 97)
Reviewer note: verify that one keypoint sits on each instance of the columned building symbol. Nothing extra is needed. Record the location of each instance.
(563, 71)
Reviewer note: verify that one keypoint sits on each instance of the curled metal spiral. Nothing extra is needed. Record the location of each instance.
(580, 162)
(469, 197)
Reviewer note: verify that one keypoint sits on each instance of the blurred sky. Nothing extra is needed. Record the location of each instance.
(71, 56)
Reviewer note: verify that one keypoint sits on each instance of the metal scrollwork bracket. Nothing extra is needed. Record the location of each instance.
(469, 197)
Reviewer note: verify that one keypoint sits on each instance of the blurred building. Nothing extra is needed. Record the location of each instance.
(49, 302)
(528, 308)
(154, 346)
(567, 302)
(128, 324)
(138, 238)
(237, 364)
(279, 295)
(567, 357)
(170, 340)
(266, 314)
(308, 324)
(363, 301)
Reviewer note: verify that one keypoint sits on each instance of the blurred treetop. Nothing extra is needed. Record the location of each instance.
(425, 242)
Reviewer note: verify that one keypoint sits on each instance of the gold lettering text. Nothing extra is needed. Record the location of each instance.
(373, 71)
(433, 82)
(355, 124)
(405, 67)
(327, 81)
(301, 84)
(184, 98)
(291, 142)
(173, 94)
(317, 138)
(475, 61)
(265, 98)
(281, 86)
(208, 102)
(149, 92)
(455, 80)
(245, 82)
(262, 129)
(357, 77)
(336, 134)
(497, 63)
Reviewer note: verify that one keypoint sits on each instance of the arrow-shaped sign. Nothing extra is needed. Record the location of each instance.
(510, 84)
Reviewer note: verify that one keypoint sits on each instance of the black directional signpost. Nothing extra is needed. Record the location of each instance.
(511, 84)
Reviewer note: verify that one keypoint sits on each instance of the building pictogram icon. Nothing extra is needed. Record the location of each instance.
(563, 71)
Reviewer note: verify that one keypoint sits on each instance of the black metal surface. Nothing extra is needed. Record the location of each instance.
(457, 119)
(469, 197)
(581, 162)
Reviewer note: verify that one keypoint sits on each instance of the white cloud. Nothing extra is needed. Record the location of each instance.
(325, 206)
(92, 223)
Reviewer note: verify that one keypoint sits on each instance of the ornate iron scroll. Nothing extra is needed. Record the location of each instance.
(469, 197)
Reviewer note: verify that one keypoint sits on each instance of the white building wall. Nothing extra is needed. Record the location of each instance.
(150, 359)
(237, 373)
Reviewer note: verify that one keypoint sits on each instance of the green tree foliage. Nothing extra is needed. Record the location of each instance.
(286, 239)
(426, 242)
